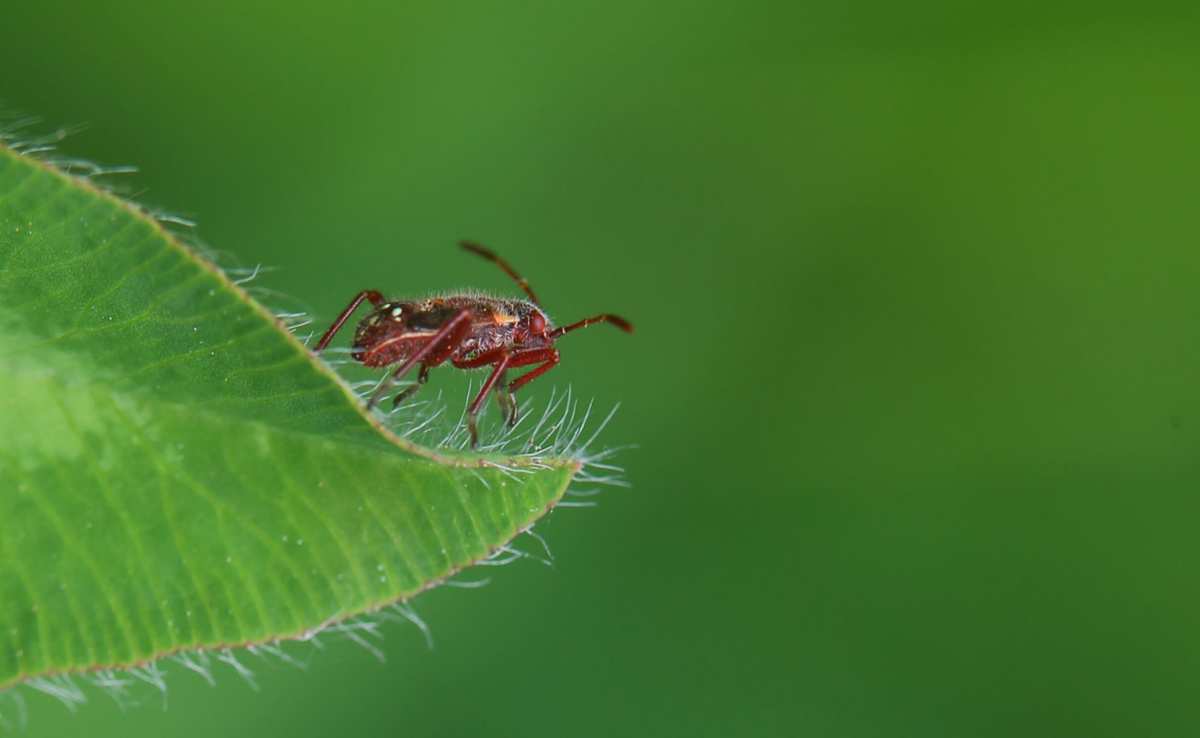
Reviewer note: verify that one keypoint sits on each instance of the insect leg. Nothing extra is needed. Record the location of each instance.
(506, 400)
(422, 378)
(508, 404)
(507, 390)
(456, 329)
(483, 359)
(548, 356)
(473, 410)
(375, 298)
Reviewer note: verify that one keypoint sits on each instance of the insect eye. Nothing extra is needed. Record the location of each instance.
(537, 324)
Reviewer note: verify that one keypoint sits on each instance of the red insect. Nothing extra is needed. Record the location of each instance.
(468, 330)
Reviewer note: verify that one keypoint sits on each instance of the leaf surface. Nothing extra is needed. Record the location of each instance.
(177, 472)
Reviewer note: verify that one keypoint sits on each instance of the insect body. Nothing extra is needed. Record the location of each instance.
(467, 330)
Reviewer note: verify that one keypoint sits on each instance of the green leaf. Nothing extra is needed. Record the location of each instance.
(177, 472)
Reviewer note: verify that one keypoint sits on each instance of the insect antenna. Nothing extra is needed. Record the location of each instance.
(616, 320)
(492, 257)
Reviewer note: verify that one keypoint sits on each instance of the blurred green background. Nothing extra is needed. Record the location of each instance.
(916, 383)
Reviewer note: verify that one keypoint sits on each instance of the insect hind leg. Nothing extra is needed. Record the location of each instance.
(373, 296)
(408, 392)
(507, 401)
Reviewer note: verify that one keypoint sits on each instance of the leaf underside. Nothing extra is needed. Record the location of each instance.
(176, 472)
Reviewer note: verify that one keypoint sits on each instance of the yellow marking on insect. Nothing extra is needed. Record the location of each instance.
(502, 318)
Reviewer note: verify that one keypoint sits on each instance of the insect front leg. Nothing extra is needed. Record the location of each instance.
(506, 391)
(473, 411)
(548, 357)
